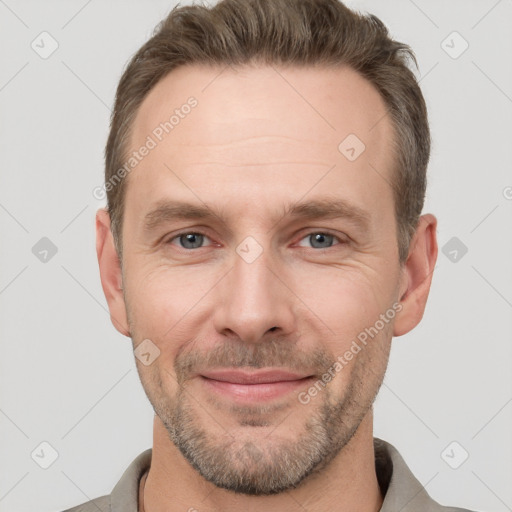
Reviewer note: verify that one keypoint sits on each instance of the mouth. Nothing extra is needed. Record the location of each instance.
(254, 386)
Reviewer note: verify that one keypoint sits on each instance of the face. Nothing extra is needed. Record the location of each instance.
(257, 252)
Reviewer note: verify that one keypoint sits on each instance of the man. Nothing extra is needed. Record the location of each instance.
(263, 243)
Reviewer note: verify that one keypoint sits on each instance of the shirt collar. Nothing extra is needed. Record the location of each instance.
(401, 490)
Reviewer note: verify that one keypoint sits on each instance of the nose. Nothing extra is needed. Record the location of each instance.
(254, 301)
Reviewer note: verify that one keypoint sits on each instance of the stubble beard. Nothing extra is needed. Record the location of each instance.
(252, 465)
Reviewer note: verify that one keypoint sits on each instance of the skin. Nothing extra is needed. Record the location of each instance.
(252, 146)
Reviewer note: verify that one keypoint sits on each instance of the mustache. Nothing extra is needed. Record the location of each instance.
(275, 352)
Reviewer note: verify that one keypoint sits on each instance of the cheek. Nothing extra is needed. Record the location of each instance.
(162, 295)
(352, 307)
(167, 307)
(347, 300)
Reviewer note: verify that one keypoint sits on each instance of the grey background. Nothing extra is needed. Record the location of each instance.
(69, 379)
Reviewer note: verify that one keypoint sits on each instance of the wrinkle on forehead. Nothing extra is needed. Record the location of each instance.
(315, 106)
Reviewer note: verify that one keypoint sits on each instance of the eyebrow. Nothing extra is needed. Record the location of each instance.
(172, 210)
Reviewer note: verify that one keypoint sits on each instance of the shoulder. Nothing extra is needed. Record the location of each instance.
(455, 509)
(401, 489)
(101, 504)
(124, 495)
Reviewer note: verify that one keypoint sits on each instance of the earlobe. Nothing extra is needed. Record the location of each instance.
(417, 275)
(110, 272)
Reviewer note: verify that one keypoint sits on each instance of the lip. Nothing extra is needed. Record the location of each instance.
(254, 386)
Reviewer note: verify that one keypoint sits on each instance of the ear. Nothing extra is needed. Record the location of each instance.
(417, 275)
(110, 272)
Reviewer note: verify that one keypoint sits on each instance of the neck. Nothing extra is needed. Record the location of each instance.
(348, 483)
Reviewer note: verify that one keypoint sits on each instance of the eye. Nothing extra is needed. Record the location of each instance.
(321, 240)
(194, 240)
(189, 240)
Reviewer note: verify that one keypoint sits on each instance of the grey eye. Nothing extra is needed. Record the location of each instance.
(191, 240)
(321, 240)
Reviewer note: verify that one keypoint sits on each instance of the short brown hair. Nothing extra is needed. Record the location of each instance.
(282, 32)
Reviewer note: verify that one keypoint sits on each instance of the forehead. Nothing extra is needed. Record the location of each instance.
(329, 102)
(284, 124)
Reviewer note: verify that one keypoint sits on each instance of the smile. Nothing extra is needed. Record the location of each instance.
(255, 386)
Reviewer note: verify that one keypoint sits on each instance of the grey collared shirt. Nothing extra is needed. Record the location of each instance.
(402, 491)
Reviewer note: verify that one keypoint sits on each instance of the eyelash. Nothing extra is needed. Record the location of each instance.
(340, 240)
